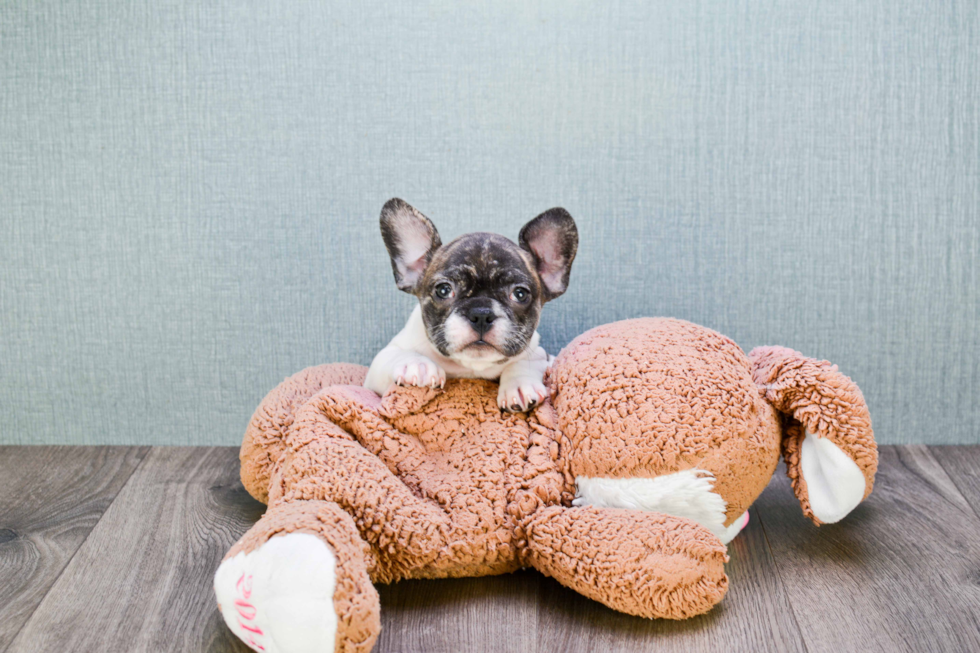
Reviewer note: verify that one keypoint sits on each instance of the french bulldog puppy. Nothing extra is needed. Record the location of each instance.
(480, 300)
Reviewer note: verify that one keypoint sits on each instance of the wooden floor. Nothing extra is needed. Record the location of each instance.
(113, 549)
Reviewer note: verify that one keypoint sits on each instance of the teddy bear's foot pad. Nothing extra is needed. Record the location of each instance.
(835, 484)
(279, 597)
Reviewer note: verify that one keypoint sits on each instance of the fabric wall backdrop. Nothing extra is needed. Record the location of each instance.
(189, 194)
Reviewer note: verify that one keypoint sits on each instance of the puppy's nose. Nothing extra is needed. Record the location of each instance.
(481, 317)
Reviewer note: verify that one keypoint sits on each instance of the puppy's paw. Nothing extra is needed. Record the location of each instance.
(419, 371)
(518, 395)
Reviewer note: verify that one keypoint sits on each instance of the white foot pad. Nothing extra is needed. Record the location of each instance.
(834, 482)
(279, 598)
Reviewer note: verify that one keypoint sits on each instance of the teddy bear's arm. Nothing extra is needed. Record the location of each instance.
(643, 563)
(828, 444)
(327, 463)
(265, 438)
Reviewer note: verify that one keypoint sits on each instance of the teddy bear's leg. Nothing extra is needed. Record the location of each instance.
(828, 444)
(643, 563)
(298, 582)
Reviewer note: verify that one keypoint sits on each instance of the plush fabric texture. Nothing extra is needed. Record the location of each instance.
(649, 397)
(265, 438)
(429, 483)
(814, 396)
(642, 563)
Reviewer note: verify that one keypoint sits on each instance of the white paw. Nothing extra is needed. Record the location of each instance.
(419, 371)
(520, 394)
(279, 598)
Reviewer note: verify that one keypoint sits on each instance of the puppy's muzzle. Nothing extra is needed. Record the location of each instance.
(481, 319)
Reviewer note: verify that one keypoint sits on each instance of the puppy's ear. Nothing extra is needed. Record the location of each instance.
(411, 239)
(552, 239)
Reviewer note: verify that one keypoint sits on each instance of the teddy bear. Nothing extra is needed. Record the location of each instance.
(625, 484)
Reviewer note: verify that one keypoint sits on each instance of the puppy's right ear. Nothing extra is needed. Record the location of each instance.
(411, 239)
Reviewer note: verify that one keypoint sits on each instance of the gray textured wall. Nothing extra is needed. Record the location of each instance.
(189, 194)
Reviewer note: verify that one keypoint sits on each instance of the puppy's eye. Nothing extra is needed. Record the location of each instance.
(520, 295)
(444, 291)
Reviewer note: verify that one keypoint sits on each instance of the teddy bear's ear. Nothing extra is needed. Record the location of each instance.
(399, 401)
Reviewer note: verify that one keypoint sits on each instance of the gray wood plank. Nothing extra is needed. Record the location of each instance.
(754, 615)
(462, 615)
(899, 574)
(50, 500)
(962, 464)
(142, 580)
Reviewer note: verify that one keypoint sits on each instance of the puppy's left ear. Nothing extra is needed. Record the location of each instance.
(552, 239)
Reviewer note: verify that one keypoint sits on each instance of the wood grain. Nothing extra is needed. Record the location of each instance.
(962, 464)
(51, 498)
(898, 574)
(142, 580)
(754, 615)
(498, 613)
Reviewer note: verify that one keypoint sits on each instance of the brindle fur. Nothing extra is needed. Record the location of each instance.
(482, 267)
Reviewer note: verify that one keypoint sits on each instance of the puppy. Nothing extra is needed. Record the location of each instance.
(480, 300)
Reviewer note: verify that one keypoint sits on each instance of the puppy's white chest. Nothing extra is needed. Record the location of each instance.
(463, 367)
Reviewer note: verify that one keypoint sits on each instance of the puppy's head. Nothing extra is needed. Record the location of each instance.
(481, 295)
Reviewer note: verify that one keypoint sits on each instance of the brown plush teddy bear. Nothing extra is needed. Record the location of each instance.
(658, 436)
